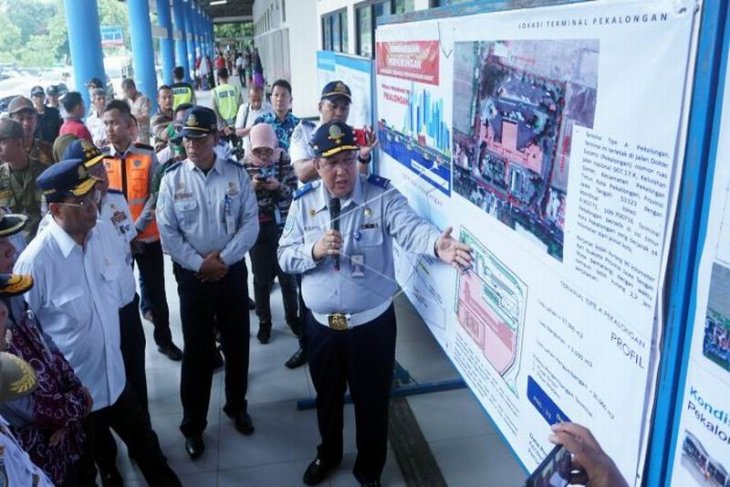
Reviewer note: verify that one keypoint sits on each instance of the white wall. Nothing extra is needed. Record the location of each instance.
(327, 6)
(288, 48)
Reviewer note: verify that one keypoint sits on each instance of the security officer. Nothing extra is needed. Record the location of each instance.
(226, 100)
(339, 236)
(22, 111)
(182, 92)
(334, 104)
(131, 168)
(208, 220)
(18, 173)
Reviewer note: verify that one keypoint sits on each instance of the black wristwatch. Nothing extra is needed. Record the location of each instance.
(362, 160)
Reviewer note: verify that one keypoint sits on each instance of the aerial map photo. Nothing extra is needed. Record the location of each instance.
(515, 104)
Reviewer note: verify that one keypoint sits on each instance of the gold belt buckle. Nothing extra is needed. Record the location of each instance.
(337, 321)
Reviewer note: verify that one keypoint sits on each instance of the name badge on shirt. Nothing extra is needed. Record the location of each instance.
(357, 261)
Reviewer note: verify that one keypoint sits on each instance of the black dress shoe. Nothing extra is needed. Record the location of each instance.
(264, 334)
(242, 421)
(251, 304)
(297, 360)
(171, 351)
(194, 446)
(317, 471)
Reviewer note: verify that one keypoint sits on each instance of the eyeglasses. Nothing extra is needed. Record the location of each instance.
(93, 198)
(331, 164)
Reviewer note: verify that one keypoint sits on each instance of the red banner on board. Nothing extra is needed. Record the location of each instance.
(412, 60)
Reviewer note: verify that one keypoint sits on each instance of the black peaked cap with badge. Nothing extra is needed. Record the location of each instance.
(84, 150)
(336, 90)
(332, 138)
(198, 122)
(65, 178)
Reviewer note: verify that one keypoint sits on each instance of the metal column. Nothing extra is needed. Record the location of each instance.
(140, 31)
(181, 46)
(84, 39)
(167, 44)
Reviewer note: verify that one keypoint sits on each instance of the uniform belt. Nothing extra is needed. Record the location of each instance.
(344, 321)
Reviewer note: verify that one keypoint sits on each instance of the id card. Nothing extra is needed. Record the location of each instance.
(230, 219)
(357, 261)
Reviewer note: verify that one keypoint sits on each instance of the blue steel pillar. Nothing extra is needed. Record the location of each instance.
(199, 28)
(140, 32)
(84, 39)
(192, 55)
(181, 45)
(167, 44)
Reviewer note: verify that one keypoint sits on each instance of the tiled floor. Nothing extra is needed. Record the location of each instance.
(464, 445)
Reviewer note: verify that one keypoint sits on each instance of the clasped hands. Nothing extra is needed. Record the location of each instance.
(213, 268)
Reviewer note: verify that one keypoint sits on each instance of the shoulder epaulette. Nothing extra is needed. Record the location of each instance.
(114, 191)
(304, 189)
(235, 162)
(378, 181)
(140, 145)
(173, 166)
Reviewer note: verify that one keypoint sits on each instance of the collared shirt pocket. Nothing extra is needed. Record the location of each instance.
(72, 302)
(187, 212)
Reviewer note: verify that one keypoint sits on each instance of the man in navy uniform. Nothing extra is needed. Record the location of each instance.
(339, 236)
(208, 219)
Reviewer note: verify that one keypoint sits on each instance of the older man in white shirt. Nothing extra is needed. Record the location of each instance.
(75, 266)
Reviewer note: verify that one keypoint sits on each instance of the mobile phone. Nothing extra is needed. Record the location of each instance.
(361, 137)
(554, 471)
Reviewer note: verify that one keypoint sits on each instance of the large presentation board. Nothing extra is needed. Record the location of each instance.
(702, 443)
(551, 140)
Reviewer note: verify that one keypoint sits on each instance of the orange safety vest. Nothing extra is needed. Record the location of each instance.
(133, 182)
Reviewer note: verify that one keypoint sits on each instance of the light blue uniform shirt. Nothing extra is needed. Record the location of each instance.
(371, 217)
(198, 213)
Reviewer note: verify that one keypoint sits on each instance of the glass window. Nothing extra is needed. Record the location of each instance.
(336, 36)
(326, 33)
(345, 33)
(364, 31)
(402, 6)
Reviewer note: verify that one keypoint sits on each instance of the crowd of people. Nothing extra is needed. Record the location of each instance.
(89, 195)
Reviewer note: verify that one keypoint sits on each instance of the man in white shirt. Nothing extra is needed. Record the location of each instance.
(248, 113)
(77, 295)
(95, 120)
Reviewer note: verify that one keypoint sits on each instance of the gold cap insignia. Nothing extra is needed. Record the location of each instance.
(341, 88)
(335, 134)
(191, 121)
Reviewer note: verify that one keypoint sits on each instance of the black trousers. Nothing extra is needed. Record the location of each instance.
(202, 304)
(265, 267)
(361, 358)
(132, 424)
(132, 345)
(152, 285)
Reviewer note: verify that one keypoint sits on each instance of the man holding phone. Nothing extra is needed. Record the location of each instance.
(334, 105)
